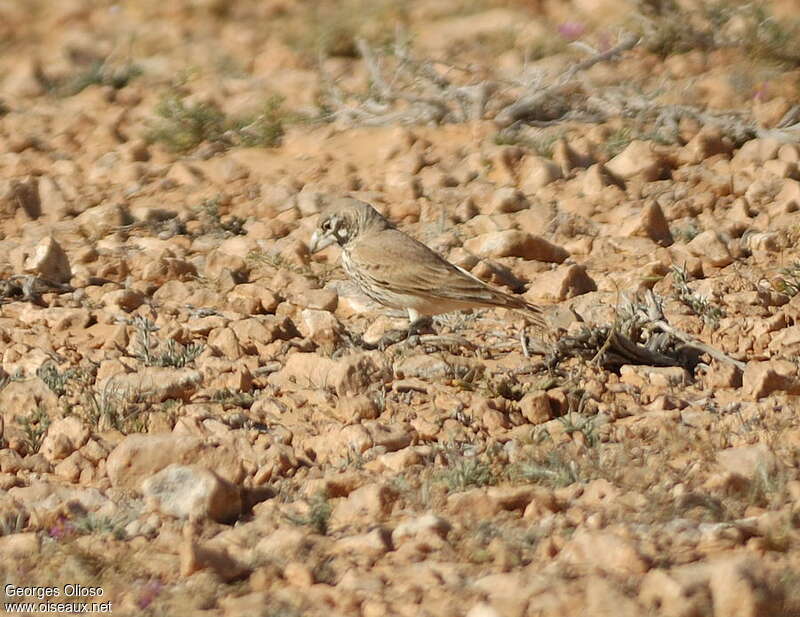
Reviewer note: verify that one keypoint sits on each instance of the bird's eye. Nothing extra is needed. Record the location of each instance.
(326, 225)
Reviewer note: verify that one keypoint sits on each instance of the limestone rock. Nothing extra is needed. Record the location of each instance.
(761, 379)
(513, 243)
(192, 492)
(562, 283)
(49, 261)
(138, 457)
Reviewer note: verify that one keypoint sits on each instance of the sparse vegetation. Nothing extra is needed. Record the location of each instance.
(35, 426)
(319, 514)
(152, 352)
(686, 232)
(700, 306)
(215, 223)
(56, 380)
(789, 281)
(182, 125)
(331, 29)
(479, 466)
(98, 73)
(555, 469)
(464, 473)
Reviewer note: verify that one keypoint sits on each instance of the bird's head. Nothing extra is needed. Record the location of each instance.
(343, 221)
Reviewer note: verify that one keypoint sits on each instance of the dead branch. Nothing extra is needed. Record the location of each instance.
(642, 336)
(529, 104)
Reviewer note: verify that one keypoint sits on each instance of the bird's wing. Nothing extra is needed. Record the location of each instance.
(394, 260)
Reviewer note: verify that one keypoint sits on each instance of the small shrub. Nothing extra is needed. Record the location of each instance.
(467, 473)
(183, 126)
(555, 470)
(699, 305)
(169, 354)
(789, 282)
(35, 426)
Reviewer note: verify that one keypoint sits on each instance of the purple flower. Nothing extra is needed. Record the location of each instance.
(571, 30)
(62, 528)
(149, 592)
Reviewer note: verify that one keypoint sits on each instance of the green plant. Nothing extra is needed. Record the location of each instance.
(319, 514)
(93, 523)
(99, 72)
(699, 305)
(56, 380)
(554, 470)
(35, 426)
(541, 142)
(466, 473)
(265, 129)
(574, 423)
(789, 282)
(183, 126)
(618, 141)
(214, 223)
(686, 232)
(232, 398)
(152, 353)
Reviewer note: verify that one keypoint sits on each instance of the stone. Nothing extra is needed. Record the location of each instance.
(761, 379)
(192, 492)
(536, 172)
(225, 343)
(49, 261)
(195, 556)
(370, 545)
(748, 462)
(350, 409)
(427, 524)
(298, 574)
(20, 195)
(679, 592)
(322, 327)
(564, 282)
(20, 545)
(138, 457)
(709, 246)
(507, 199)
(661, 376)
(64, 436)
(649, 222)
(126, 300)
(513, 243)
(391, 437)
(603, 551)
(638, 160)
(155, 384)
(706, 143)
(347, 376)
(739, 589)
(53, 203)
(369, 503)
(535, 407)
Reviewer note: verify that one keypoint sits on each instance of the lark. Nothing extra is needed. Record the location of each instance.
(400, 272)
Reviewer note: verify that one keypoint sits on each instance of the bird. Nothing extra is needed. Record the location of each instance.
(399, 272)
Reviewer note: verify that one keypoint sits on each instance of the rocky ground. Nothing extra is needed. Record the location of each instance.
(189, 419)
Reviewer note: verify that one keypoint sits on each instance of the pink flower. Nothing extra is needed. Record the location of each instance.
(149, 592)
(571, 30)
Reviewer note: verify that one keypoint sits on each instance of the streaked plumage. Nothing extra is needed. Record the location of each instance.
(397, 271)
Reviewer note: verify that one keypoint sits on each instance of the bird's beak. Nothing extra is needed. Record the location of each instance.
(319, 241)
